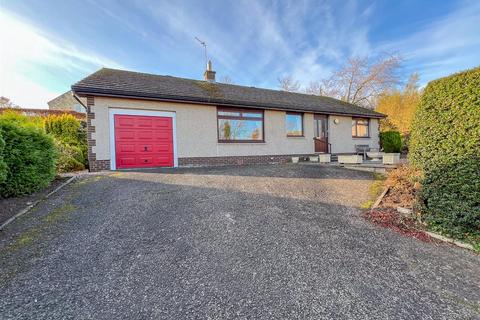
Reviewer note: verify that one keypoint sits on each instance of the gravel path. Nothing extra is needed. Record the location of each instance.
(256, 242)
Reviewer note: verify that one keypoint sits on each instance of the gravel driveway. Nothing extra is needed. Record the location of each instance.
(256, 242)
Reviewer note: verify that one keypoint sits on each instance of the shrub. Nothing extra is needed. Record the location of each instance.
(446, 125)
(445, 144)
(30, 155)
(70, 157)
(71, 139)
(82, 142)
(451, 198)
(64, 127)
(405, 142)
(391, 141)
(22, 120)
(3, 165)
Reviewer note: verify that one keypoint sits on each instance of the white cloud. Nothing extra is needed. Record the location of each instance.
(309, 69)
(307, 40)
(266, 41)
(447, 45)
(25, 49)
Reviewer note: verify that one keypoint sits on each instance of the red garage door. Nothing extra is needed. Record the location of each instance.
(143, 141)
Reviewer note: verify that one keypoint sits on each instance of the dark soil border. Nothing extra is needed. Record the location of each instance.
(11, 208)
(391, 219)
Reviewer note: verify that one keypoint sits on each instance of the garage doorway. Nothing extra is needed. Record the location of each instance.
(142, 139)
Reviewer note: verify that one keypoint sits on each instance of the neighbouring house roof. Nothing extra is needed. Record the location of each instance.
(111, 82)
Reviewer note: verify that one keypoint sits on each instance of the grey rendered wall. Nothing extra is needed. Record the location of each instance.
(340, 135)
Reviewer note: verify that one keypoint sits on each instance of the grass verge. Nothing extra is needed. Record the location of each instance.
(374, 191)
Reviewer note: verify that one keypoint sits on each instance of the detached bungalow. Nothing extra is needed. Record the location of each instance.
(138, 120)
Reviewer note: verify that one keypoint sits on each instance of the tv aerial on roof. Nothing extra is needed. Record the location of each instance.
(204, 47)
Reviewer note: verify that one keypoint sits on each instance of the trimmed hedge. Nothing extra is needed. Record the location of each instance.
(445, 144)
(29, 155)
(3, 165)
(391, 141)
(446, 125)
(14, 116)
(451, 198)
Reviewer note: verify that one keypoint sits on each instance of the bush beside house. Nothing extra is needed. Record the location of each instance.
(64, 127)
(391, 141)
(71, 141)
(445, 144)
(33, 149)
(70, 157)
(29, 155)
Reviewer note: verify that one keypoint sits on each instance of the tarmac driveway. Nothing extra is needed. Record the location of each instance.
(256, 242)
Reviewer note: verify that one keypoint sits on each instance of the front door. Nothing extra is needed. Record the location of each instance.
(320, 135)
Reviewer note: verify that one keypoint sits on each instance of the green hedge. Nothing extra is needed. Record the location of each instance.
(445, 144)
(29, 155)
(451, 198)
(14, 116)
(446, 125)
(71, 141)
(64, 127)
(70, 157)
(391, 141)
(3, 165)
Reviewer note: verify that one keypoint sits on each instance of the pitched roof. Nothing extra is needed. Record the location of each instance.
(111, 82)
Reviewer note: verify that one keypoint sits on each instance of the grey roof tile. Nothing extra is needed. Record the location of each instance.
(142, 85)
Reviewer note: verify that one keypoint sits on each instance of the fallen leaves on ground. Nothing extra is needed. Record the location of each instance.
(390, 218)
(404, 184)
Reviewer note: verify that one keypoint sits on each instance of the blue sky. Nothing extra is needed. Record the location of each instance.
(48, 45)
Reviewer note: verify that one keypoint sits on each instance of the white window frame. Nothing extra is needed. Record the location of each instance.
(132, 112)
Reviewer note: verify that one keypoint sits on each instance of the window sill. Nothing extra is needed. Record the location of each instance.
(353, 137)
(292, 136)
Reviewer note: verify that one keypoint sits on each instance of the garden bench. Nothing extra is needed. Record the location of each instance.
(362, 149)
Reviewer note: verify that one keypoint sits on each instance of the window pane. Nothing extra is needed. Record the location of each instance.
(294, 124)
(229, 113)
(362, 131)
(251, 115)
(229, 129)
(360, 127)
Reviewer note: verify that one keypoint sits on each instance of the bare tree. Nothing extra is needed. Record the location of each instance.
(226, 80)
(315, 87)
(288, 84)
(412, 84)
(359, 81)
(6, 103)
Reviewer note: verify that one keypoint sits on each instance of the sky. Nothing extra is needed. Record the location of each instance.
(46, 46)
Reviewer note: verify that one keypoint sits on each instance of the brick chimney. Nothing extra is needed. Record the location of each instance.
(209, 74)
